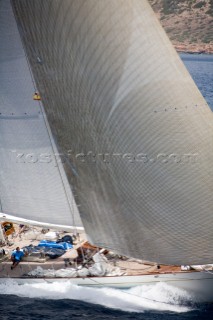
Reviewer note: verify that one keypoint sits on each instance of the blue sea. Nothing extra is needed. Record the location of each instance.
(160, 302)
(200, 67)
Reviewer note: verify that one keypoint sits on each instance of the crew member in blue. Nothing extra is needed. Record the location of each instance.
(16, 257)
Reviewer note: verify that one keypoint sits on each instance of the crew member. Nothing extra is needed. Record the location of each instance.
(16, 257)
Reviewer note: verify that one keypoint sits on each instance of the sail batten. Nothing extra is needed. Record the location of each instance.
(132, 123)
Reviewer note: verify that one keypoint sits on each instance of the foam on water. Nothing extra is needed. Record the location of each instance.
(160, 296)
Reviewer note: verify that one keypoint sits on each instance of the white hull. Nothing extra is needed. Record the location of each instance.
(198, 284)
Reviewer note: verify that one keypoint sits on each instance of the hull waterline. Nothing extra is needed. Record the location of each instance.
(198, 284)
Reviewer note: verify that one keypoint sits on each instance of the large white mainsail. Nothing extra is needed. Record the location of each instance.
(33, 184)
(117, 94)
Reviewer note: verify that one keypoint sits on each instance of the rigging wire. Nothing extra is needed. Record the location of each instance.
(206, 271)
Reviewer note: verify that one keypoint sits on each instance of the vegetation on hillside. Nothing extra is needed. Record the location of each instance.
(188, 23)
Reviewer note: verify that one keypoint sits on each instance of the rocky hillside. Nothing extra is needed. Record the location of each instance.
(188, 23)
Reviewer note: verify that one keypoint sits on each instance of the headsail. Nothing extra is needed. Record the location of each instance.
(117, 94)
(33, 184)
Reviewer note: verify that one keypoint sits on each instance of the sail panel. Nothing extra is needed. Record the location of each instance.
(33, 184)
(137, 131)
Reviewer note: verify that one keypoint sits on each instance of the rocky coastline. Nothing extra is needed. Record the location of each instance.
(194, 48)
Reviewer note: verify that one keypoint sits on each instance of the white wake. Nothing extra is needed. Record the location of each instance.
(160, 296)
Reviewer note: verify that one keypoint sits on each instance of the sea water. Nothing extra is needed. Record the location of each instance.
(200, 67)
(66, 301)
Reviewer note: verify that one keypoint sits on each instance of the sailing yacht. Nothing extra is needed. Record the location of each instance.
(120, 142)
